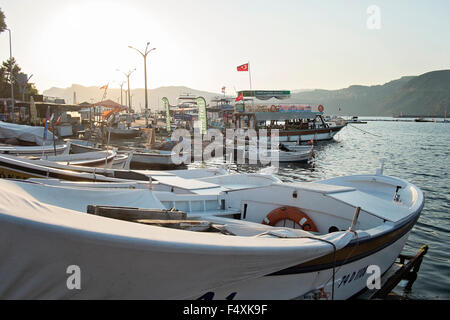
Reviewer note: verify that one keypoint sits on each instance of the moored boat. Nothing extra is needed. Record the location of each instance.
(90, 159)
(28, 140)
(295, 122)
(33, 150)
(123, 133)
(263, 254)
(355, 120)
(22, 168)
(299, 156)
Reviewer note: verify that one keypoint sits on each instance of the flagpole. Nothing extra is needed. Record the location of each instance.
(250, 78)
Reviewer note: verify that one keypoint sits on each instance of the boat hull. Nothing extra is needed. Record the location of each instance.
(117, 134)
(307, 135)
(350, 279)
(100, 259)
(143, 160)
(174, 268)
(16, 168)
(35, 151)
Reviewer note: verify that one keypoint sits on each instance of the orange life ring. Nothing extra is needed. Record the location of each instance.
(320, 108)
(273, 108)
(293, 214)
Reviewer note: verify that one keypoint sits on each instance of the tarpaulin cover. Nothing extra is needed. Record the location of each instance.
(43, 231)
(24, 133)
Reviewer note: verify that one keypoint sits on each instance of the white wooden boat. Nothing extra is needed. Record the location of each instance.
(122, 161)
(24, 133)
(33, 150)
(261, 255)
(292, 146)
(82, 146)
(147, 159)
(301, 156)
(90, 159)
(355, 120)
(25, 168)
(28, 135)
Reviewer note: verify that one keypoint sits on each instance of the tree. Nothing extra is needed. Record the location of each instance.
(5, 84)
(2, 21)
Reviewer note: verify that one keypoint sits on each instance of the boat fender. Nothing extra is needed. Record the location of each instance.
(293, 214)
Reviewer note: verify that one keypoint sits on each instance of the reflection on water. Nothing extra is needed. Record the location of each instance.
(417, 152)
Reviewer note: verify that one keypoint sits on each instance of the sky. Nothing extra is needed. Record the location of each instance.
(290, 44)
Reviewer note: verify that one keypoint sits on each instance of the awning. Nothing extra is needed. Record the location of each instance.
(281, 116)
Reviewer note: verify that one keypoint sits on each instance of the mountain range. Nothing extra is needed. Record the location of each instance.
(427, 95)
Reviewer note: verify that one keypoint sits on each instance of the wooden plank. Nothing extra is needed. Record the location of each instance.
(191, 225)
(133, 214)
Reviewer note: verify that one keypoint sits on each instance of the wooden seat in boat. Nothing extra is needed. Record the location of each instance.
(320, 187)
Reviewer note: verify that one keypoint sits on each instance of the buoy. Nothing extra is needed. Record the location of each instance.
(293, 214)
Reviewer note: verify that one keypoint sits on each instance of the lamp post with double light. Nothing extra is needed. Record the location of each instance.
(144, 55)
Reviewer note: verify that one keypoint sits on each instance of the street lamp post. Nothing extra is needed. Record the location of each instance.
(144, 55)
(121, 90)
(128, 78)
(11, 75)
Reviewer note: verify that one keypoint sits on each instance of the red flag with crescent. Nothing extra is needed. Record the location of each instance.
(243, 67)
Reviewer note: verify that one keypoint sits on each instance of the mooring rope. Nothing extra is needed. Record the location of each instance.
(365, 131)
(334, 263)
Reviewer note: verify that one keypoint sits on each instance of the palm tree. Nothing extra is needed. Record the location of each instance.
(2, 21)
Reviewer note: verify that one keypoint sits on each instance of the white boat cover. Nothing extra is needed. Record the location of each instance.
(43, 232)
(24, 133)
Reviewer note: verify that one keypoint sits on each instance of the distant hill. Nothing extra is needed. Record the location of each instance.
(427, 94)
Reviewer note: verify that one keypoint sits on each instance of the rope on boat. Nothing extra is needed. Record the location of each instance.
(334, 259)
(365, 131)
(334, 262)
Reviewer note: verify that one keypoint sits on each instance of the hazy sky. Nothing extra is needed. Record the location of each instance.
(291, 44)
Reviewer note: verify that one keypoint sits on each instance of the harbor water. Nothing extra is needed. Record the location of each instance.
(417, 152)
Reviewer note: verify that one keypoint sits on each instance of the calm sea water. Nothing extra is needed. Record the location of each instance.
(417, 152)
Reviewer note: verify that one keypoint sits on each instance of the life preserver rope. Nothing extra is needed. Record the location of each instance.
(292, 214)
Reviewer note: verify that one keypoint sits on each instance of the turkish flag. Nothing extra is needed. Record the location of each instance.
(244, 67)
(240, 98)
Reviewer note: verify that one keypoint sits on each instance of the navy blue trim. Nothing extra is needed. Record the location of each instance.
(299, 269)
